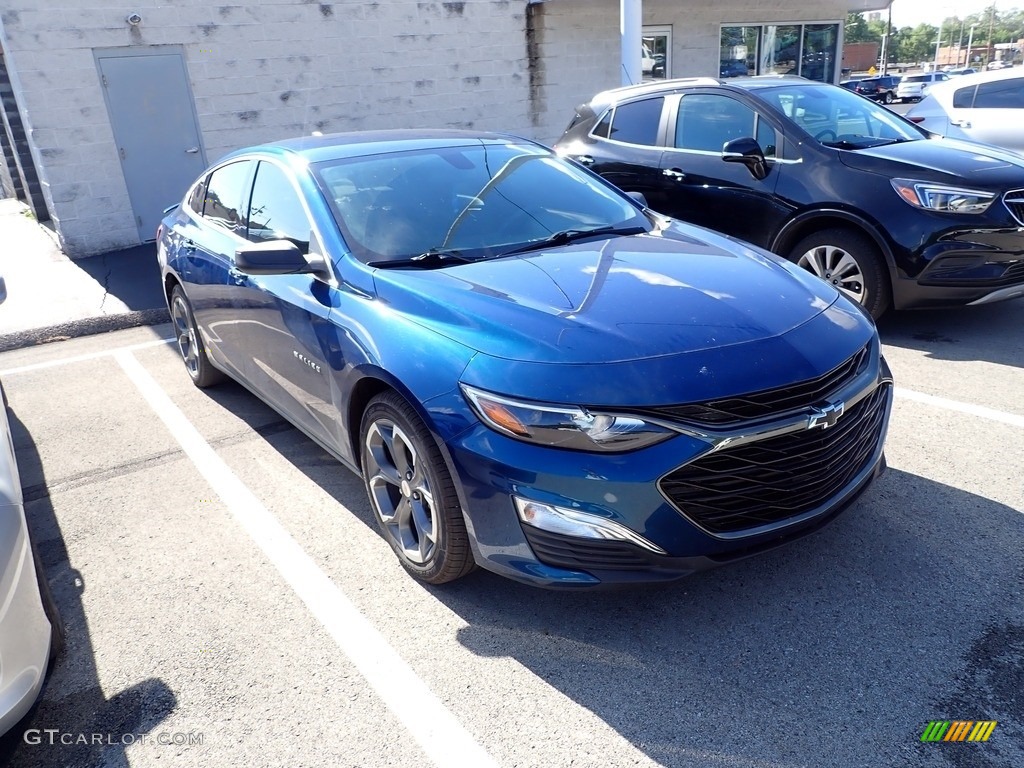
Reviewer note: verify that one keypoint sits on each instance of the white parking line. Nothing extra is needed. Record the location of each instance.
(82, 358)
(955, 405)
(439, 733)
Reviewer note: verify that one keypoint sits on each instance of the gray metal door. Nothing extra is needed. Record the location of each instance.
(155, 127)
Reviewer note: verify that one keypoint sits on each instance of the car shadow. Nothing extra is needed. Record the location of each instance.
(835, 650)
(74, 723)
(993, 333)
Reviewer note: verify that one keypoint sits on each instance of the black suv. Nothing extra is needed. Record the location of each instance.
(842, 186)
(881, 88)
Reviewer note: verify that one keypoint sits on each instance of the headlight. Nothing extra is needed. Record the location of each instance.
(564, 427)
(938, 197)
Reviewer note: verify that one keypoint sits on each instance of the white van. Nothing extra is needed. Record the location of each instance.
(914, 87)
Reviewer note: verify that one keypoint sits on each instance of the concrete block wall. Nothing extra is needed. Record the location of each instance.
(260, 70)
(580, 52)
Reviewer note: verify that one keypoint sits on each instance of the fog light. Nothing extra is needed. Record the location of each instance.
(570, 522)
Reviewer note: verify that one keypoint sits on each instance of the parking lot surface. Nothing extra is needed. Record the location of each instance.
(229, 602)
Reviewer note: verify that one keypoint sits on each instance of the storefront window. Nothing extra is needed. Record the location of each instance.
(738, 55)
(657, 54)
(780, 49)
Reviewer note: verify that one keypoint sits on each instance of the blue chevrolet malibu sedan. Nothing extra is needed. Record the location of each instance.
(530, 370)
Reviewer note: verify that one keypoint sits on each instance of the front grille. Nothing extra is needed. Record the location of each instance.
(768, 402)
(576, 553)
(1014, 201)
(772, 480)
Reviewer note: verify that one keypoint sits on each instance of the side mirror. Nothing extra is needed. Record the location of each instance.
(748, 152)
(638, 197)
(273, 257)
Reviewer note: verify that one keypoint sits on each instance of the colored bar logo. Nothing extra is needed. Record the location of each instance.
(958, 730)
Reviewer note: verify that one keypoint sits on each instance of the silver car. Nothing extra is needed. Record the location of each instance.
(29, 626)
(986, 107)
(914, 87)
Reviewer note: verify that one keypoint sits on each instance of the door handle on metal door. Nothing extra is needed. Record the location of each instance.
(585, 160)
(191, 150)
(961, 123)
(238, 278)
(674, 173)
(188, 246)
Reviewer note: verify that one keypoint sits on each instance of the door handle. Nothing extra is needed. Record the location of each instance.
(188, 246)
(585, 160)
(961, 123)
(191, 150)
(674, 173)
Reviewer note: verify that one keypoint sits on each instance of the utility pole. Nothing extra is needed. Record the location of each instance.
(959, 43)
(991, 24)
(938, 39)
(885, 43)
(970, 39)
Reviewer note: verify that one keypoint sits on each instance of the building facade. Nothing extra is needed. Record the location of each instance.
(109, 113)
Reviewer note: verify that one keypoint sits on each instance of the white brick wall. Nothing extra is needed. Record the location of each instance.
(268, 69)
(260, 70)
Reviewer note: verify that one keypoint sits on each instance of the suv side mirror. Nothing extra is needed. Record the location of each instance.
(747, 151)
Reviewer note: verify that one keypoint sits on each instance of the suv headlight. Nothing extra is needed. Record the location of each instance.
(939, 197)
(561, 426)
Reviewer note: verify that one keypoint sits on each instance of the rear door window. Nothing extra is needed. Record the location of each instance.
(1000, 94)
(636, 122)
(224, 194)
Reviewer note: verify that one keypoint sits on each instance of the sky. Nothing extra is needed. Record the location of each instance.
(910, 13)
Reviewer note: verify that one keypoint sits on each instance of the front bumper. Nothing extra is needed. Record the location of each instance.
(632, 490)
(24, 629)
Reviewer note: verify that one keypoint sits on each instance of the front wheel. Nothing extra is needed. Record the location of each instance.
(190, 344)
(849, 261)
(412, 493)
(888, 97)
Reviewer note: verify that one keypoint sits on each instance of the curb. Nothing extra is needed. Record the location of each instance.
(86, 327)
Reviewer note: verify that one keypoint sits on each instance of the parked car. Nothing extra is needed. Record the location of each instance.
(842, 186)
(733, 68)
(849, 84)
(914, 87)
(961, 71)
(998, 64)
(881, 88)
(986, 107)
(30, 629)
(530, 370)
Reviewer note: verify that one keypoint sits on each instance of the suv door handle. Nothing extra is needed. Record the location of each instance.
(961, 123)
(674, 173)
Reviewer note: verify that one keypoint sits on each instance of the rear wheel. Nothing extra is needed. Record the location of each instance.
(190, 344)
(888, 97)
(849, 261)
(412, 493)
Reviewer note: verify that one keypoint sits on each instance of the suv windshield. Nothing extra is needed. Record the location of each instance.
(838, 118)
(465, 202)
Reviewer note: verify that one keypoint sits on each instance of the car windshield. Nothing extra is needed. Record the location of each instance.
(468, 202)
(836, 117)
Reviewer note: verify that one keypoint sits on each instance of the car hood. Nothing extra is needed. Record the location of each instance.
(609, 300)
(959, 162)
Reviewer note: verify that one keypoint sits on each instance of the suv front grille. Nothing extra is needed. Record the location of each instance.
(1014, 201)
(769, 402)
(772, 480)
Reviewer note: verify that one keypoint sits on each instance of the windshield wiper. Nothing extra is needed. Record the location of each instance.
(571, 235)
(435, 257)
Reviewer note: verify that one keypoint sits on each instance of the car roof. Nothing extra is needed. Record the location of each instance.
(753, 82)
(974, 78)
(336, 146)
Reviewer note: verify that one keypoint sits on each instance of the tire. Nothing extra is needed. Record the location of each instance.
(190, 342)
(888, 97)
(412, 493)
(849, 261)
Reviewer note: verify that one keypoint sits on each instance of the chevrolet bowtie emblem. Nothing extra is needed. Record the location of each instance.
(826, 416)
